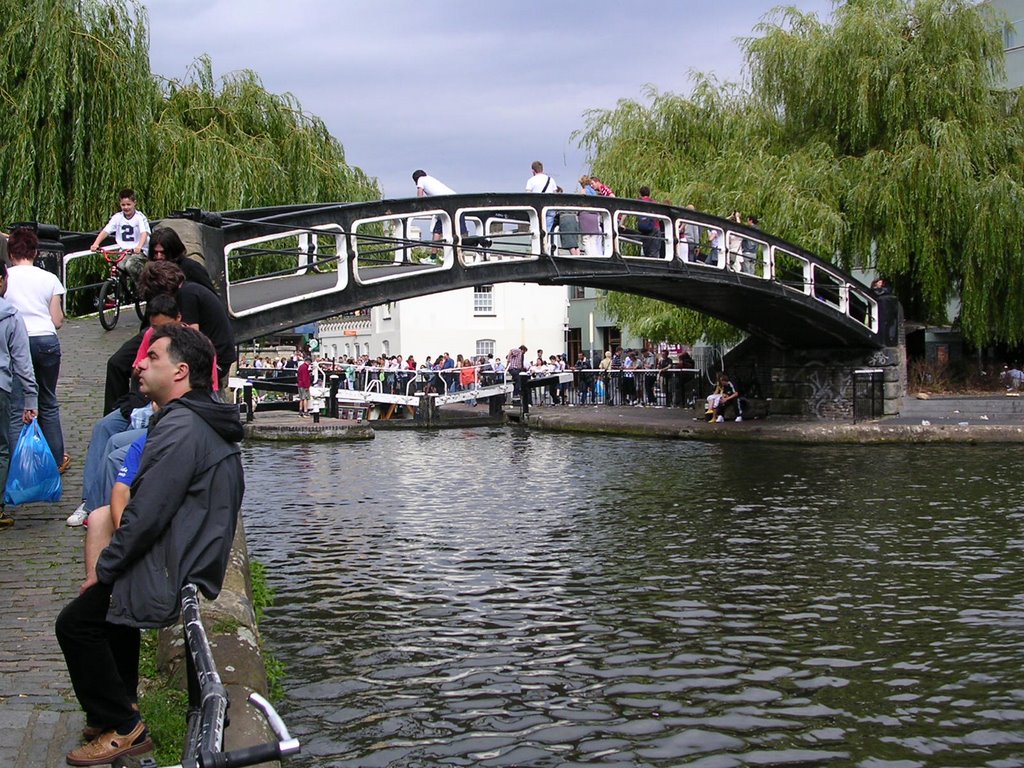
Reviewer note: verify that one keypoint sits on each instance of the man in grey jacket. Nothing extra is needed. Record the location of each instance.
(177, 529)
(15, 360)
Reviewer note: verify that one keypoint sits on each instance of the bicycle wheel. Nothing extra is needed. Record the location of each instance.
(140, 305)
(110, 303)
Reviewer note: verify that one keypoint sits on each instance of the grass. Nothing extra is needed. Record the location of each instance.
(163, 705)
(263, 597)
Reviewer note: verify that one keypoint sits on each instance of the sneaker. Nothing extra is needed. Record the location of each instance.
(79, 516)
(6, 521)
(739, 418)
(719, 420)
(109, 746)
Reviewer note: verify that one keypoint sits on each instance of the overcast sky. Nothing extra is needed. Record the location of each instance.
(472, 92)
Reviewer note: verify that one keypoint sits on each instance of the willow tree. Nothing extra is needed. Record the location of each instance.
(882, 139)
(233, 144)
(84, 116)
(78, 98)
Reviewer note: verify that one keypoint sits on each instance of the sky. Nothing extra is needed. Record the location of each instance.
(471, 92)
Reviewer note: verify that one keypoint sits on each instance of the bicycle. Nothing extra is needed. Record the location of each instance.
(117, 288)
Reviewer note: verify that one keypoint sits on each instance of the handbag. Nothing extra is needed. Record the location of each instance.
(33, 474)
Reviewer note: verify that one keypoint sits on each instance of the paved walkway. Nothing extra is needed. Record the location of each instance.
(40, 570)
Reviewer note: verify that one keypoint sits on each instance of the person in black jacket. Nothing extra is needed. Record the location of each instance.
(165, 245)
(200, 308)
(177, 529)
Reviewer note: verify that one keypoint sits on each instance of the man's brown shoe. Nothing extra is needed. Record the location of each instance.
(90, 732)
(109, 746)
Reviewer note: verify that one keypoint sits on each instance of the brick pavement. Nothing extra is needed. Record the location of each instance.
(41, 567)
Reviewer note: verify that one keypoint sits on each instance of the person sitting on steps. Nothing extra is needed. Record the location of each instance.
(724, 395)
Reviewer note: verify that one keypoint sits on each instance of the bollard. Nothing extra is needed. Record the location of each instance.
(249, 416)
(332, 401)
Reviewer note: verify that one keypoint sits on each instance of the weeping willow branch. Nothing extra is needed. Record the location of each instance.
(87, 117)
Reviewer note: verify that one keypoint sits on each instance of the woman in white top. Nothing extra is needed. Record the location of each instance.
(37, 294)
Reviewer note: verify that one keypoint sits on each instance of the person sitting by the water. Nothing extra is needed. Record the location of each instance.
(725, 393)
(1013, 378)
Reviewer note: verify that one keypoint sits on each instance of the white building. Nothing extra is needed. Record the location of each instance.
(1013, 39)
(469, 321)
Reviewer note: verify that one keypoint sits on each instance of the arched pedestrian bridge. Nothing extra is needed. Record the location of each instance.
(283, 266)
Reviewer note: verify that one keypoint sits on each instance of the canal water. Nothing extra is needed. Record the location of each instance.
(494, 597)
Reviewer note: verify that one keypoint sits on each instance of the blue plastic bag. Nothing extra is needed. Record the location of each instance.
(33, 475)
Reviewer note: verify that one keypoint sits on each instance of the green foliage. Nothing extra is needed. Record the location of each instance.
(263, 597)
(84, 117)
(164, 709)
(163, 705)
(879, 140)
(262, 593)
(653, 319)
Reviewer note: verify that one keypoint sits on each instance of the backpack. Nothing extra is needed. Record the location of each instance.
(646, 225)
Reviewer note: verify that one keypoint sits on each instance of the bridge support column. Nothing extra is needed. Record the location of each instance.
(817, 383)
(495, 405)
(427, 413)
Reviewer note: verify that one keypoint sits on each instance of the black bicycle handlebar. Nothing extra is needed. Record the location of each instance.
(260, 753)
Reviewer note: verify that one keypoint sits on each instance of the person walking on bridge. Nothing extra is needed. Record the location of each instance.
(542, 183)
(428, 186)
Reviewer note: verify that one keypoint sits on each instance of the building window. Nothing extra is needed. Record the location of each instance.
(577, 292)
(484, 347)
(483, 300)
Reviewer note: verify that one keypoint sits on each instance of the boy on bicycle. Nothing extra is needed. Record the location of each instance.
(131, 232)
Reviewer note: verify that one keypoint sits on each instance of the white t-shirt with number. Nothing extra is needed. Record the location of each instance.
(128, 232)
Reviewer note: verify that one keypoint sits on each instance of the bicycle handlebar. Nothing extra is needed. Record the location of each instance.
(260, 753)
(121, 254)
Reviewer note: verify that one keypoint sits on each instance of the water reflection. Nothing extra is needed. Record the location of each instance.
(500, 598)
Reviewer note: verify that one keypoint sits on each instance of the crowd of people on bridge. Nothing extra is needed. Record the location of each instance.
(583, 233)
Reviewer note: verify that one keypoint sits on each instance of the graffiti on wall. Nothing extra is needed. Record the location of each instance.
(830, 391)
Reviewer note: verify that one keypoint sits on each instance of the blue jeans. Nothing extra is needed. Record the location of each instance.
(45, 351)
(92, 474)
(117, 448)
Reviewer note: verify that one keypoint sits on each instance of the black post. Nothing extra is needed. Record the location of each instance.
(332, 402)
(247, 389)
(494, 405)
(525, 393)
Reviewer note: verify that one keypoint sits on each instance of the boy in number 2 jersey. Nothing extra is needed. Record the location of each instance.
(131, 232)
